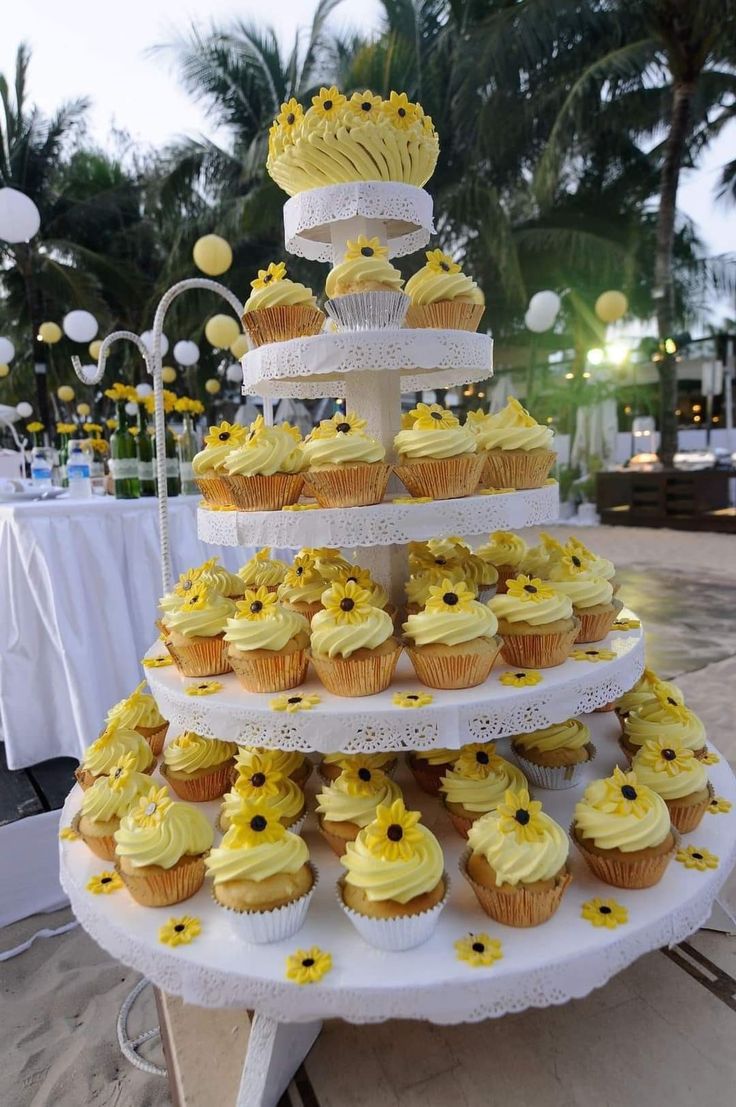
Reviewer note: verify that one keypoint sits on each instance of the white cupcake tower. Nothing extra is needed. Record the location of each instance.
(219, 969)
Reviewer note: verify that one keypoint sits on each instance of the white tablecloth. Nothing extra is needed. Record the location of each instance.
(79, 582)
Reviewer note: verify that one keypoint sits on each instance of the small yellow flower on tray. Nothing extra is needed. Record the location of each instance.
(495, 491)
(626, 624)
(719, 806)
(412, 500)
(523, 678)
(290, 704)
(710, 758)
(478, 950)
(307, 966)
(204, 688)
(180, 932)
(157, 662)
(696, 857)
(300, 507)
(592, 655)
(604, 912)
(412, 699)
(104, 883)
(68, 834)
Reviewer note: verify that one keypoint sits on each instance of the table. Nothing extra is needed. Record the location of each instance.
(81, 579)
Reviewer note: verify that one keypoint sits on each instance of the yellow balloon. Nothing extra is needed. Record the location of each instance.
(611, 306)
(94, 349)
(240, 346)
(83, 409)
(4, 370)
(221, 331)
(212, 386)
(168, 374)
(65, 392)
(212, 255)
(50, 333)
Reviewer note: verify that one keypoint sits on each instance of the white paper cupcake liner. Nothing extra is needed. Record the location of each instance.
(554, 778)
(368, 311)
(397, 934)
(264, 927)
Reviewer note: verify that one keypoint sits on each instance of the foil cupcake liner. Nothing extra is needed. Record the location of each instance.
(205, 657)
(595, 626)
(517, 468)
(262, 493)
(539, 651)
(521, 908)
(348, 485)
(102, 846)
(450, 315)
(215, 490)
(687, 817)
(200, 789)
(162, 887)
(277, 673)
(261, 928)
(456, 669)
(394, 935)
(368, 311)
(555, 778)
(279, 324)
(445, 478)
(155, 736)
(640, 872)
(356, 676)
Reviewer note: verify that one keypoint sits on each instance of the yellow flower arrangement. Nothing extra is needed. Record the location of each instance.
(205, 688)
(68, 834)
(119, 393)
(256, 604)
(719, 806)
(66, 428)
(399, 111)
(364, 247)
(393, 834)
(697, 857)
(35, 427)
(519, 815)
(225, 432)
(151, 808)
(710, 758)
(592, 655)
(449, 597)
(255, 825)
(92, 428)
(524, 678)
(307, 966)
(626, 624)
(604, 913)
(111, 424)
(366, 103)
(339, 424)
(477, 760)
(529, 589)
(104, 883)
(440, 262)
(348, 604)
(157, 662)
(274, 272)
(180, 932)
(412, 699)
(169, 398)
(478, 950)
(328, 102)
(290, 116)
(412, 500)
(430, 417)
(186, 406)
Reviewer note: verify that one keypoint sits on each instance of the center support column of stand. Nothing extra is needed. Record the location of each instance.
(275, 1052)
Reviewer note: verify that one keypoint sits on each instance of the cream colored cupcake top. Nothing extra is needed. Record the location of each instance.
(111, 797)
(519, 841)
(263, 570)
(115, 741)
(433, 432)
(536, 562)
(348, 622)
(210, 575)
(272, 288)
(598, 566)
(645, 690)
(190, 752)
(285, 762)
(570, 735)
(503, 548)
(139, 709)
(671, 771)
(157, 831)
(266, 451)
(479, 778)
(261, 782)
(585, 590)
(512, 428)
(451, 617)
(302, 583)
(257, 846)
(622, 813)
(394, 857)
(329, 563)
(451, 554)
(356, 793)
(442, 279)
(356, 760)
(377, 594)
(341, 440)
(218, 444)
(261, 623)
(203, 614)
(530, 600)
(417, 587)
(365, 263)
(437, 756)
(663, 717)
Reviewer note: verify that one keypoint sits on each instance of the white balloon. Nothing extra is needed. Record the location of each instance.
(19, 216)
(147, 340)
(545, 305)
(234, 372)
(7, 351)
(537, 325)
(143, 390)
(24, 409)
(80, 326)
(186, 353)
(89, 369)
(131, 408)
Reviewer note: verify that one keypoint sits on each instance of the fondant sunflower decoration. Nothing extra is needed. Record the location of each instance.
(519, 815)
(449, 598)
(529, 590)
(260, 781)
(150, 809)
(328, 103)
(495, 491)
(303, 571)
(272, 274)
(522, 678)
(665, 755)
(626, 624)
(180, 931)
(393, 834)
(710, 758)
(103, 884)
(440, 262)
(292, 704)
(256, 604)
(719, 805)
(254, 825)
(366, 104)
(399, 111)
(204, 688)
(574, 565)
(478, 950)
(355, 575)
(697, 857)
(307, 966)
(361, 779)
(157, 662)
(592, 655)
(225, 433)
(290, 116)
(348, 604)
(477, 760)
(432, 417)
(412, 500)
(339, 425)
(622, 796)
(120, 771)
(364, 247)
(300, 507)
(190, 577)
(604, 913)
(68, 834)
(197, 599)
(412, 699)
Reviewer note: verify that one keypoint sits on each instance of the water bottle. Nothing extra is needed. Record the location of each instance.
(41, 468)
(78, 471)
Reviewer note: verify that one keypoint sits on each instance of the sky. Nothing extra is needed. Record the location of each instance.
(103, 51)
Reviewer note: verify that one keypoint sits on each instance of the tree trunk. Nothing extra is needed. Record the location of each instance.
(674, 153)
(37, 357)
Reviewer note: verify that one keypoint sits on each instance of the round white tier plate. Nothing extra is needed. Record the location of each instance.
(381, 525)
(492, 710)
(563, 959)
(309, 368)
(310, 217)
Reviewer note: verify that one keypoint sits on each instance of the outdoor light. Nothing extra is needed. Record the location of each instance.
(168, 374)
(186, 353)
(24, 409)
(147, 340)
(617, 352)
(94, 349)
(4, 371)
(697, 407)
(586, 376)
(569, 376)
(696, 418)
(670, 346)
(596, 356)
(65, 392)
(610, 306)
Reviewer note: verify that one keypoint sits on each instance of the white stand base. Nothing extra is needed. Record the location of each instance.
(275, 1052)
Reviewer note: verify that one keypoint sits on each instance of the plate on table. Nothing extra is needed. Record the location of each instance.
(9, 495)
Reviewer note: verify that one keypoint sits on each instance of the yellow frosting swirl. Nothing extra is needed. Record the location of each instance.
(547, 607)
(350, 799)
(202, 614)
(437, 756)
(671, 771)
(536, 562)
(660, 719)
(269, 629)
(114, 742)
(401, 879)
(598, 566)
(111, 797)
(281, 761)
(279, 794)
(190, 752)
(281, 292)
(327, 563)
(570, 735)
(584, 591)
(417, 588)
(452, 626)
(512, 428)
(302, 589)
(233, 860)
(370, 760)
(158, 831)
(349, 447)
(503, 548)
(645, 690)
(263, 570)
(520, 854)
(480, 787)
(267, 450)
(216, 578)
(418, 442)
(333, 638)
(139, 709)
(622, 813)
(361, 267)
(432, 284)
(220, 442)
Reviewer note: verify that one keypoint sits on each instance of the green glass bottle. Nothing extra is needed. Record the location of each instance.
(188, 447)
(173, 482)
(63, 451)
(124, 459)
(144, 451)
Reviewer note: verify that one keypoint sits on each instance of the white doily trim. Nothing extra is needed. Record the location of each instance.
(405, 209)
(565, 959)
(316, 366)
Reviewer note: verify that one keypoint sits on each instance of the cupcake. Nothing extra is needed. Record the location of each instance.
(476, 783)
(517, 451)
(263, 784)
(598, 566)
(262, 874)
(675, 774)
(505, 551)
(453, 557)
(377, 594)
(346, 464)
(332, 764)
(267, 643)
(105, 803)
(536, 624)
(353, 648)
(140, 712)
(198, 769)
(536, 561)
(429, 766)
(210, 574)
(289, 763)
(328, 562)
(160, 847)
(349, 803)
(554, 756)
(644, 691)
(417, 588)
(263, 571)
(195, 635)
(394, 886)
(279, 309)
(452, 643)
(364, 289)
(208, 465)
(436, 456)
(442, 296)
(265, 472)
(302, 587)
(663, 717)
(592, 597)
(105, 752)
(624, 832)
(517, 862)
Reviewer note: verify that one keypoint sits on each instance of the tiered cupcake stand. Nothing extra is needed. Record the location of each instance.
(567, 957)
